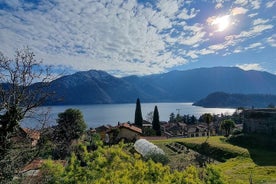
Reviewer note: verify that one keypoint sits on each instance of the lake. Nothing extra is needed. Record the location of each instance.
(96, 115)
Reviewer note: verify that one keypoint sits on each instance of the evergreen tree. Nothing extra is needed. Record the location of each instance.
(156, 122)
(172, 118)
(207, 117)
(71, 126)
(227, 125)
(138, 120)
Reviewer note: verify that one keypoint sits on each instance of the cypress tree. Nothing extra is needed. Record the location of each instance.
(156, 122)
(138, 120)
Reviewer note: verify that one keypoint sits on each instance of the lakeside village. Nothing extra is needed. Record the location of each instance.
(185, 126)
(179, 126)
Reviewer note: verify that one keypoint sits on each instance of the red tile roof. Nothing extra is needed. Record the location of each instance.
(130, 127)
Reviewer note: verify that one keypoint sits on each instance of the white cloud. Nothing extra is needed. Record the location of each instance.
(96, 35)
(253, 45)
(270, 4)
(241, 2)
(12, 3)
(256, 4)
(192, 54)
(206, 51)
(188, 14)
(251, 66)
(271, 40)
(127, 36)
(252, 15)
(259, 21)
(168, 7)
(238, 11)
(254, 31)
(219, 5)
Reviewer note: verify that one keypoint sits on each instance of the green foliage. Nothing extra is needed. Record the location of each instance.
(115, 165)
(213, 176)
(227, 125)
(71, 126)
(51, 171)
(217, 146)
(256, 162)
(241, 169)
(156, 122)
(19, 98)
(157, 158)
(207, 118)
(147, 131)
(138, 120)
(172, 118)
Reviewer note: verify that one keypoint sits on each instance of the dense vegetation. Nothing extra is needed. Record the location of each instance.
(23, 87)
(116, 165)
(221, 99)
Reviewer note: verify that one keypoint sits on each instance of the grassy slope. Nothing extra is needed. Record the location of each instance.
(238, 169)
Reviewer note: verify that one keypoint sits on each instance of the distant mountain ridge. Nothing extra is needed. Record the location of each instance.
(99, 87)
(226, 100)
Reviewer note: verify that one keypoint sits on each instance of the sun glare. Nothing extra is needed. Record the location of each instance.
(222, 22)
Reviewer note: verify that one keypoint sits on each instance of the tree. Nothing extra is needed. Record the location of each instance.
(172, 118)
(193, 119)
(207, 118)
(227, 125)
(149, 116)
(156, 122)
(138, 120)
(19, 99)
(71, 126)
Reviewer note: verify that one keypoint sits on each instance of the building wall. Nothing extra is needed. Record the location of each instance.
(126, 133)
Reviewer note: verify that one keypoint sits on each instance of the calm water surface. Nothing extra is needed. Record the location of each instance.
(96, 115)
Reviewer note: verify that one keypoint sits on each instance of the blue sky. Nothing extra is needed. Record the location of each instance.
(128, 37)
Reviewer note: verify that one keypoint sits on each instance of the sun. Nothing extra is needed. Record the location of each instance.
(222, 22)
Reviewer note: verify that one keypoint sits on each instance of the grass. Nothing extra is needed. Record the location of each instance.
(238, 165)
(241, 169)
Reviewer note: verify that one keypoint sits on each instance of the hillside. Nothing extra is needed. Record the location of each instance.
(97, 87)
(221, 99)
(240, 164)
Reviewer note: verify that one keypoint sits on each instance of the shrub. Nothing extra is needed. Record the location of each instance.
(157, 158)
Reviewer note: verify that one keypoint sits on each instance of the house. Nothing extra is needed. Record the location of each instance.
(124, 131)
(146, 124)
(128, 131)
(200, 130)
(259, 121)
(102, 130)
(174, 129)
(32, 173)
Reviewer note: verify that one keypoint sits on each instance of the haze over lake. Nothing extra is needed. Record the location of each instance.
(96, 115)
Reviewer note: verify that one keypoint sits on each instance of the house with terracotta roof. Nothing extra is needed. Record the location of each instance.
(125, 131)
(101, 130)
(31, 172)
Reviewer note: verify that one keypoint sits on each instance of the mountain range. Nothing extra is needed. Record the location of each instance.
(99, 87)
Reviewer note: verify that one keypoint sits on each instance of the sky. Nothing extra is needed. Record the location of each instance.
(129, 37)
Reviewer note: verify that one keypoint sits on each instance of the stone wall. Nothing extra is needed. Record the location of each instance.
(259, 121)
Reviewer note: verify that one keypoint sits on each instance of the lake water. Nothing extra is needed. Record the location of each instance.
(96, 115)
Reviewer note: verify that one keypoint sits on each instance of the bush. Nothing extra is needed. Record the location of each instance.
(157, 158)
